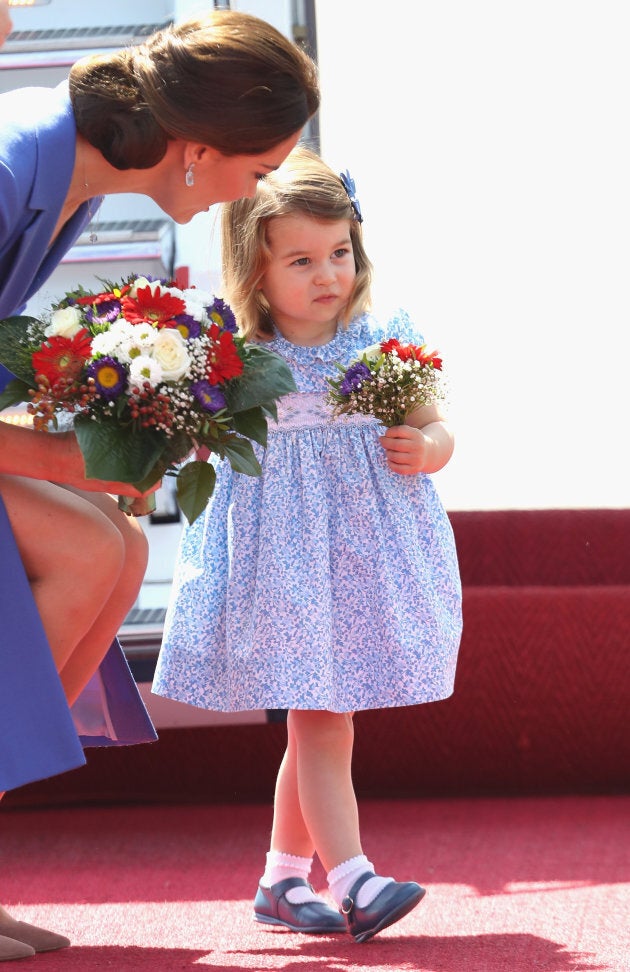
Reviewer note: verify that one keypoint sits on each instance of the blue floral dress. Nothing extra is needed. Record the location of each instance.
(327, 583)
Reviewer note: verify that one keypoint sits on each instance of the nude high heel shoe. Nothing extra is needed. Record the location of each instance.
(10, 949)
(35, 938)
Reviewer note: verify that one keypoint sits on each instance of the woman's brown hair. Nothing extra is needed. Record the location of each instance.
(228, 80)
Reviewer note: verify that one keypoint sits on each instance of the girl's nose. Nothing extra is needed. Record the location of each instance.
(324, 274)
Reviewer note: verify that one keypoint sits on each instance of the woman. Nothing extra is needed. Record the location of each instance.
(6, 24)
(196, 115)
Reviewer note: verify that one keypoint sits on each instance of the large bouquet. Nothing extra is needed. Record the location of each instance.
(388, 380)
(150, 374)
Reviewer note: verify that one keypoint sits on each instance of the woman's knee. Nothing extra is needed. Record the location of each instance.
(55, 528)
(136, 546)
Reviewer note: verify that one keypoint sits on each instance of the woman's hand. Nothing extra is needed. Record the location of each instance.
(55, 457)
(73, 473)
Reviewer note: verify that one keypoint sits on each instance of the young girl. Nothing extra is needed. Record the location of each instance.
(329, 584)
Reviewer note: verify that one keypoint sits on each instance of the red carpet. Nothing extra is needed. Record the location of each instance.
(514, 885)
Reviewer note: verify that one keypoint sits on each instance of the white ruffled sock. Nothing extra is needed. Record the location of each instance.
(343, 876)
(281, 866)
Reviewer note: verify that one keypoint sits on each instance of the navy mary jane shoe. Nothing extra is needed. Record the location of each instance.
(392, 903)
(313, 917)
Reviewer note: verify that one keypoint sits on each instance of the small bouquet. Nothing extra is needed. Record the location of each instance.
(389, 380)
(150, 374)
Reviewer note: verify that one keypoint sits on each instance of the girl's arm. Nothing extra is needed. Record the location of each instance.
(424, 444)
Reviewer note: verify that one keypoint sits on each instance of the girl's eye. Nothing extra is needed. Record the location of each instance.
(301, 262)
(341, 252)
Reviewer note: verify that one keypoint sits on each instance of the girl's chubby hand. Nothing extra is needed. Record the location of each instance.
(407, 449)
(423, 445)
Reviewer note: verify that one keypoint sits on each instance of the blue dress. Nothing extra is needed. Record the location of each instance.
(327, 583)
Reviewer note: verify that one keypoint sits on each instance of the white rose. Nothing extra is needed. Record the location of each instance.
(65, 322)
(169, 350)
(372, 353)
(140, 283)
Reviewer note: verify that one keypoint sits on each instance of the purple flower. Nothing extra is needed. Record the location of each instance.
(103, 312)
(222, 314)
(354, 378)
(209, 396)
(187, 326)
(110, 377)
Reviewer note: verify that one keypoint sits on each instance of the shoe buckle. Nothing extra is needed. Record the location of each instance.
(346, 905)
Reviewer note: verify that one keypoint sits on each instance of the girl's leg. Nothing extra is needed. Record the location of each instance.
(320, 761)
(284, 897)
(324, 744)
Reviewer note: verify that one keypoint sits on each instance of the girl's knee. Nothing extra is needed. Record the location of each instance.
(323, 724)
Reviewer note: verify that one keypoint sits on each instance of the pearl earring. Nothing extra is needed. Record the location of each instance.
(190, 174)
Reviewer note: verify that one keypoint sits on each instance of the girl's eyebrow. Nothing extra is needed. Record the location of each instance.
(346, 241)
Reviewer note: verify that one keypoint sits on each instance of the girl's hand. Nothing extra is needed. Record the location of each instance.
(407, 449)
(424, 444)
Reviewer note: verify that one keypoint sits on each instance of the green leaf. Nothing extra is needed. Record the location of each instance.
(241, 456)
(195, 485)
(14, 393)
(253, 424)
(265, 378)
(115, 453)
(14, 354)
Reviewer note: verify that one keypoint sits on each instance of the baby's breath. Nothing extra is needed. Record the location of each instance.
(388, 386)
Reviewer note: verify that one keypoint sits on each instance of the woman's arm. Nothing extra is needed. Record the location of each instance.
(423, 444)
(55, 457)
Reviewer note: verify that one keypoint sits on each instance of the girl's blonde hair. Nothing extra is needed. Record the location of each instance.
(303, 185)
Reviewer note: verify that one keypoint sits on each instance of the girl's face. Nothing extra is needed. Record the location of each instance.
(309, 279)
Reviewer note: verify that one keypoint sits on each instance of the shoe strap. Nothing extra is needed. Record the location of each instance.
(282, 887)
(347, 903)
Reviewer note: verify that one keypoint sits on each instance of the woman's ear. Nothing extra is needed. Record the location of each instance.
(196, 153)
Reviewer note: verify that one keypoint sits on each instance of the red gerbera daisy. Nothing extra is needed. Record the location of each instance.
(427, 357)
(392, 344)
(223, 360)
(152, 307)
(105, 297)
(62, 357)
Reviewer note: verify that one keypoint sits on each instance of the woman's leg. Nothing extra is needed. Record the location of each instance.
(85, 562)
(88, 654)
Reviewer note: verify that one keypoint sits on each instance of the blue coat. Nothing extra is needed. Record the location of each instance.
(39, 735)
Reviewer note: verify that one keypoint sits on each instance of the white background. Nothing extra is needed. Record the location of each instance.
(489, 144)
